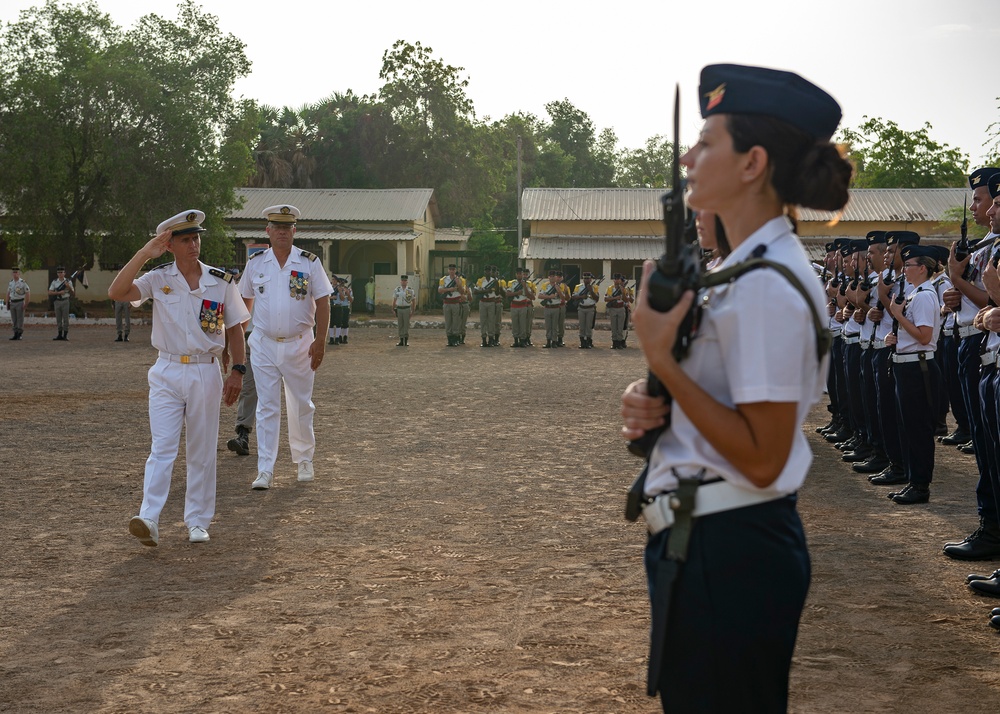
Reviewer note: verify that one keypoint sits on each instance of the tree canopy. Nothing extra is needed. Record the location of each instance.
(106, 132)
(886, 156)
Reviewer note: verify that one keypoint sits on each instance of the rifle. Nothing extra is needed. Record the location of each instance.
(900, 299)
(962, 247)
(677, 271)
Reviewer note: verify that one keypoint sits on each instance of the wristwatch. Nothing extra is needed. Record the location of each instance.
(241, 368)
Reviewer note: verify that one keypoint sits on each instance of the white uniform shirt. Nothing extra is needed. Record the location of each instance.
(885, 327)
(974, 275)
(941, 283)
(276, 313)
(923, 310)
(58, 284)
(587, 301)
(403, 296)
(756, 343)
(868, 327)
(17, 289)
(183, 318)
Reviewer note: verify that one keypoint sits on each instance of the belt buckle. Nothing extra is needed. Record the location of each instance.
(185, 359)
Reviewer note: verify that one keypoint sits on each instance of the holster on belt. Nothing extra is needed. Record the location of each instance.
(667, 571)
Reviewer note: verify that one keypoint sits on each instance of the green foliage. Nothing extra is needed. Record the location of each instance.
(104, 133)
(492, 248)
(886, 156)
(649, 167)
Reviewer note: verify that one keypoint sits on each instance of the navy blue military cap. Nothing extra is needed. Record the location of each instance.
(901, 238)
(404, 277)
(849, 247)
(831, 247)
(874, 237)
(994, 185)
(914, 250)
(939, 252)
(979, 177)
(739, 89)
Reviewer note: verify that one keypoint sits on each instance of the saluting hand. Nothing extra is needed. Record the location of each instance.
(158, 245)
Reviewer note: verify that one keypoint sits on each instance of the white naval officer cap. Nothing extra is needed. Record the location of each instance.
(282, 214)
(188, 221)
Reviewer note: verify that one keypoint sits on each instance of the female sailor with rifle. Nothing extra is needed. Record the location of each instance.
(756, 366)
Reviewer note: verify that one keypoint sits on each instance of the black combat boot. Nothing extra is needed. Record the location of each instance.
(982, 544)
(126, 337)
(548, 344)
(517, 342)
(590, 343)
(406, 342)
(119, 339)
(400, 343)
(583, 343)
(486, 342)
(331, 341)
(241, 442)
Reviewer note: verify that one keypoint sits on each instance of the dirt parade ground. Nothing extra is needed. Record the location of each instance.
(462, 549)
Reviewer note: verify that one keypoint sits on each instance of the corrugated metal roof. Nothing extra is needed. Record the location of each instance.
(339, 204)
(591, 248)
(305, 233)
(643, 204)
(452, 235)
(895, 204)
(592, 204)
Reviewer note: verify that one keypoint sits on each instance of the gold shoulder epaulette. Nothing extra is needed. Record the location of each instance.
(310, 256)
(228, 277)
(258, 253)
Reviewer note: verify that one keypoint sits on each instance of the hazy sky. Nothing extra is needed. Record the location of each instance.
(913, 62)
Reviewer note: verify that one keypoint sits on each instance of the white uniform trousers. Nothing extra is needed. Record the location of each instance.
(275, 363)
(187, 395)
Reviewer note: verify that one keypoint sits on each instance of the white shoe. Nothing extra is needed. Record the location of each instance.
(263, 481)
(305, 471)
(197, 534)
(145, 530)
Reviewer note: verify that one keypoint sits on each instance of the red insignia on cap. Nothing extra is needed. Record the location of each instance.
(715, 96)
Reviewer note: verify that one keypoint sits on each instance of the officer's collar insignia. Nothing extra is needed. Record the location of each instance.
(166, 289)
(715, 96)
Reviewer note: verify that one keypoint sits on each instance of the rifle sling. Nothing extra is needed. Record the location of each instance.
(637, 491)
(728, 275)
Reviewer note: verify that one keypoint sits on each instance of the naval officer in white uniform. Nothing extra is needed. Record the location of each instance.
(288, 290)
(193, 306)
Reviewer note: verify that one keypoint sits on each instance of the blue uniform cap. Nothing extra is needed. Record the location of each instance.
(980, 177)
(901, 238)
(739, 89)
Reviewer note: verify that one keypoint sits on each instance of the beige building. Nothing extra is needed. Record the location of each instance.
(358, 233)
(613, 230)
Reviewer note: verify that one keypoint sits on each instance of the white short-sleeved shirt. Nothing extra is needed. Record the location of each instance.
(284, 296)
(974, 275)
(885, 327)
(403, 296)
(923, 310)
(186, 321)
(756, 343)
(941, 283)
(587, 301)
